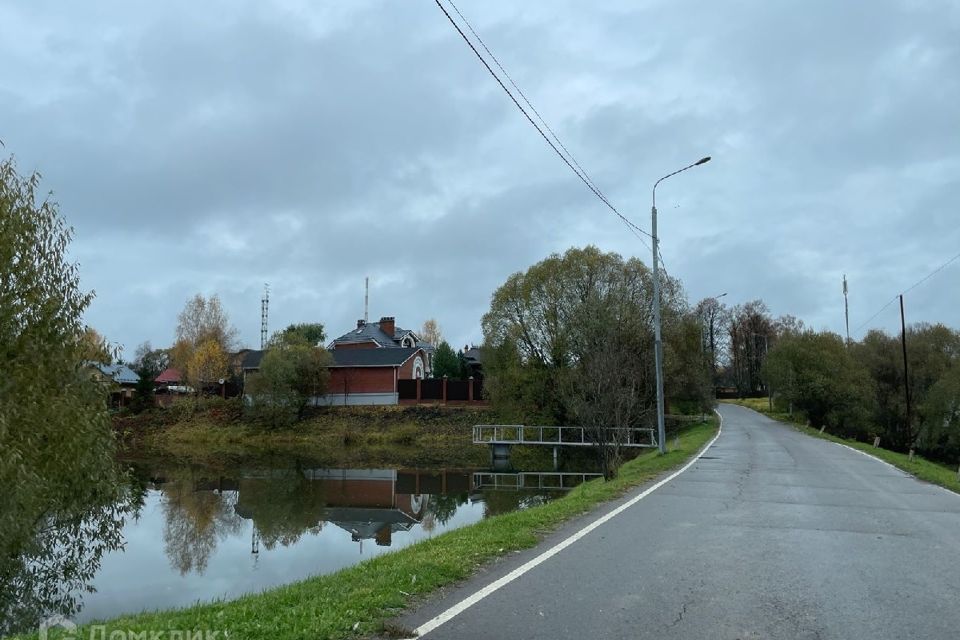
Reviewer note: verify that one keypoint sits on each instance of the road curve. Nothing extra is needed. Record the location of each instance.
(771, 534)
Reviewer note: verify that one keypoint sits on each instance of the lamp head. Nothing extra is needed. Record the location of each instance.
(702, 161)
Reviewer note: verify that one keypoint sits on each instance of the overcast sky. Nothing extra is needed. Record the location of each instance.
(215, 146)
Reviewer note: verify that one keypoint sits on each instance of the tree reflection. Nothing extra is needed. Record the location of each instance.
(195, 519)
(47, 570)
(497, 502)
(283, 506)
(443, 505)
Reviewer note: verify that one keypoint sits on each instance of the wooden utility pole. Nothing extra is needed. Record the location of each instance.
(906, 375)
(846, 308)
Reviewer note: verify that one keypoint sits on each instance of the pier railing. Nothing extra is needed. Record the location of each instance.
(531, 480)
(562, 436)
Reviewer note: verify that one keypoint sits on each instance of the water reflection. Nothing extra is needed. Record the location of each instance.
(206, 534)
(47, 565)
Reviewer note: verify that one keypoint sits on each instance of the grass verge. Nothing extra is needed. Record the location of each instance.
(920, 467)
(358, 600)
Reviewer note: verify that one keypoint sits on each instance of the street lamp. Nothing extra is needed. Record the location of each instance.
(658, 342)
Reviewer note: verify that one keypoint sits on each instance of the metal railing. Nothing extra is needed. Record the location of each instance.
(531, 480)
(562, 436)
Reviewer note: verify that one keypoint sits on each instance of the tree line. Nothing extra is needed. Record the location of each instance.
(855, 389)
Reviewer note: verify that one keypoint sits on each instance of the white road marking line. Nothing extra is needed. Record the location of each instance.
(473, 599)
(896, 468)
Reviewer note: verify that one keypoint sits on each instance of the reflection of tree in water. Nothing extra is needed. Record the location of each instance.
(497, 502)
(442, 506)
(48, 570)
(283, 507)
(194, 521)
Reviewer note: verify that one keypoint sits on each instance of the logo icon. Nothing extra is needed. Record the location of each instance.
(58, 621)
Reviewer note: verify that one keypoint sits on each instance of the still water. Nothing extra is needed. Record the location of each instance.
(202, 535)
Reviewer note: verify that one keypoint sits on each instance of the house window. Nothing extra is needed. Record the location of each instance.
(418, 368)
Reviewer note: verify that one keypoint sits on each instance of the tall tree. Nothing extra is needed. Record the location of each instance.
(430, 332)
(311, 332)
(554, 332)
(752, 333)
(816, 373)
(292, 373)
(95, 348)
(204, 338)
(446, 362)
(714, 320)
(54, 429)
(148, 363)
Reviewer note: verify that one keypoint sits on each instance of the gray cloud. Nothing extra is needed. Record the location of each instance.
(219, 146)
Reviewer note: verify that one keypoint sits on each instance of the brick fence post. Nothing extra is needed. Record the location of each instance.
(444, 389)
(470, 389)
(418, 391)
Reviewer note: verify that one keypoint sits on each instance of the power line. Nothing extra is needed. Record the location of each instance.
(579, 173)
(910, 288)
(526, 100)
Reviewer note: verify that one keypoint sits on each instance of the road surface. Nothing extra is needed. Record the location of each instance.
(771, 534)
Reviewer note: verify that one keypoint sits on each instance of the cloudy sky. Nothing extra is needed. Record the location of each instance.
(215, 146)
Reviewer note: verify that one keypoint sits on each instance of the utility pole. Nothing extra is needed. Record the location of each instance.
(846, 308)
(906, 376)
(657, 341)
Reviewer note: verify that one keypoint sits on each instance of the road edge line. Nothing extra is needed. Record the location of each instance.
(501, 582)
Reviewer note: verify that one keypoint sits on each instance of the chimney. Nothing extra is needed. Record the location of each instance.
(387, 325)
(361, 323)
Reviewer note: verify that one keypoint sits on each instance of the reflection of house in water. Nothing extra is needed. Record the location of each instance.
(365, 503)
(369, 503)
(376, 503)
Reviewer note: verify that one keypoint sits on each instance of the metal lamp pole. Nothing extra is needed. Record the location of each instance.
(657, 340)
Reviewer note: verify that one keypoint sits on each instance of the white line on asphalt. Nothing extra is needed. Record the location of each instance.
(896, 468)
(468, 602)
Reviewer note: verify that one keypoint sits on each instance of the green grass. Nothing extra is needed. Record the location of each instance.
(358, 600)
(922, 468)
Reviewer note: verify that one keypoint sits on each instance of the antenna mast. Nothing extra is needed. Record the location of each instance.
(264, 312)
(366, 300)
(846, 307)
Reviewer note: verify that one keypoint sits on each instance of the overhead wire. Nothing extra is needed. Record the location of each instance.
(569, 161)
(909, 289)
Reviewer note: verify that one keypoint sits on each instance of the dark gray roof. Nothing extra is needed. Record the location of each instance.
(251, 359)
(369, 331)
(372, 357)
(372, 331)
(473, 354)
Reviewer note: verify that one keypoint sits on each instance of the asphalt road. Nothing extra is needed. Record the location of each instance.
(771, 534)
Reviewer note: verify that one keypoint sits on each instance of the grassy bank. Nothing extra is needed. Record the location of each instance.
(922, 468)
(365, 436)
(356, 601)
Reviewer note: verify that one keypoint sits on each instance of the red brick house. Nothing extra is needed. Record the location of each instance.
(370, 360)
(369, 376)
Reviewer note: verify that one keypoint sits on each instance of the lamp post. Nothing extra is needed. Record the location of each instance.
(657, 341)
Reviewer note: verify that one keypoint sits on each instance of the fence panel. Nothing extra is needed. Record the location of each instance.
(407, 389)
(431, 389)
(458, 390)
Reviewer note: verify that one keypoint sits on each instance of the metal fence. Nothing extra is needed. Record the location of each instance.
(562, 436)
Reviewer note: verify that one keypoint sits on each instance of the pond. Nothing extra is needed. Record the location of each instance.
(203, 534)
